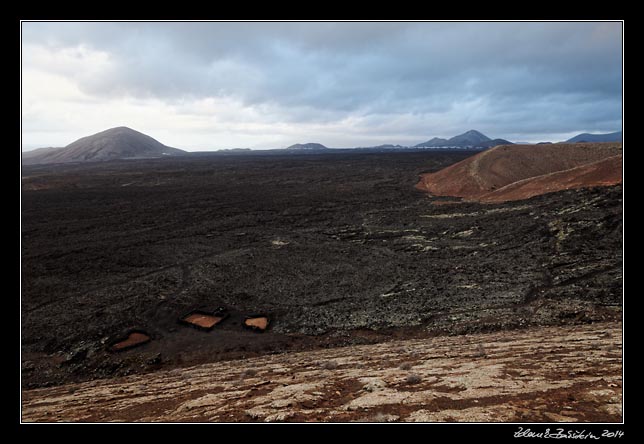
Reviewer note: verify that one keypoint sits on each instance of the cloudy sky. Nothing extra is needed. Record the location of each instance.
(201, 86)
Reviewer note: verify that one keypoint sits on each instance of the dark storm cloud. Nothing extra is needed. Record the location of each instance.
(504, 78)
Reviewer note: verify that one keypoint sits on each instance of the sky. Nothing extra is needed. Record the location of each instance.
(213, 85)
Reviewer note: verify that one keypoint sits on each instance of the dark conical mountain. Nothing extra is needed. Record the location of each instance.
(114, 143)
(586, 137)
(307, 147)
(471, 139)
(436, 141)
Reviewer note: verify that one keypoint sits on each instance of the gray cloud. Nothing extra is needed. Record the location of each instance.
(502, 78)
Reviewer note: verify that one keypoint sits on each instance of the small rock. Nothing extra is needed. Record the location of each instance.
(413, 379)
(329, 365)
(374, 385)
(380, 417)
(248, 373)
(154, 360)
(282, 416)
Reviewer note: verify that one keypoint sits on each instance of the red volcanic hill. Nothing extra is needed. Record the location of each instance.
(514, 172)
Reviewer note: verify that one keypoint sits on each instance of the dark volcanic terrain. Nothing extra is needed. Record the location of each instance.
(335, 249)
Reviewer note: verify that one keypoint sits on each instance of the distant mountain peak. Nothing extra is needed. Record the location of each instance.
(587, 137)
(113, 143)
(436, 140)
(471, 138)
(475, 133)
(307, 146)
(119, 128)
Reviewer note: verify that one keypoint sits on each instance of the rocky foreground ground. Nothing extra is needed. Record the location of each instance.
(540, 374)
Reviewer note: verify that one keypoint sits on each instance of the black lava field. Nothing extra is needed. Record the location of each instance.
(333, 249)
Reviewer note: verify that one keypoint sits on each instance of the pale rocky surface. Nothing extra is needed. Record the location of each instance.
(547, 374)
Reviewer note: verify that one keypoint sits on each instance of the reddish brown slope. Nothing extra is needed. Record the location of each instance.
(513, 172)
(546, 374)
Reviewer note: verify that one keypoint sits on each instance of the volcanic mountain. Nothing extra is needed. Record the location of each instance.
(38, 152)
(471, 139)
(307, 147)
(586, 137)
(114, 143)
(514, 172)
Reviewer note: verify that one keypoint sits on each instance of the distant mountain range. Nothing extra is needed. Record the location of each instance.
(307, 147)
(126, 143)
(386, 146)
(469, 139)
(114, 143)
(586, 137)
